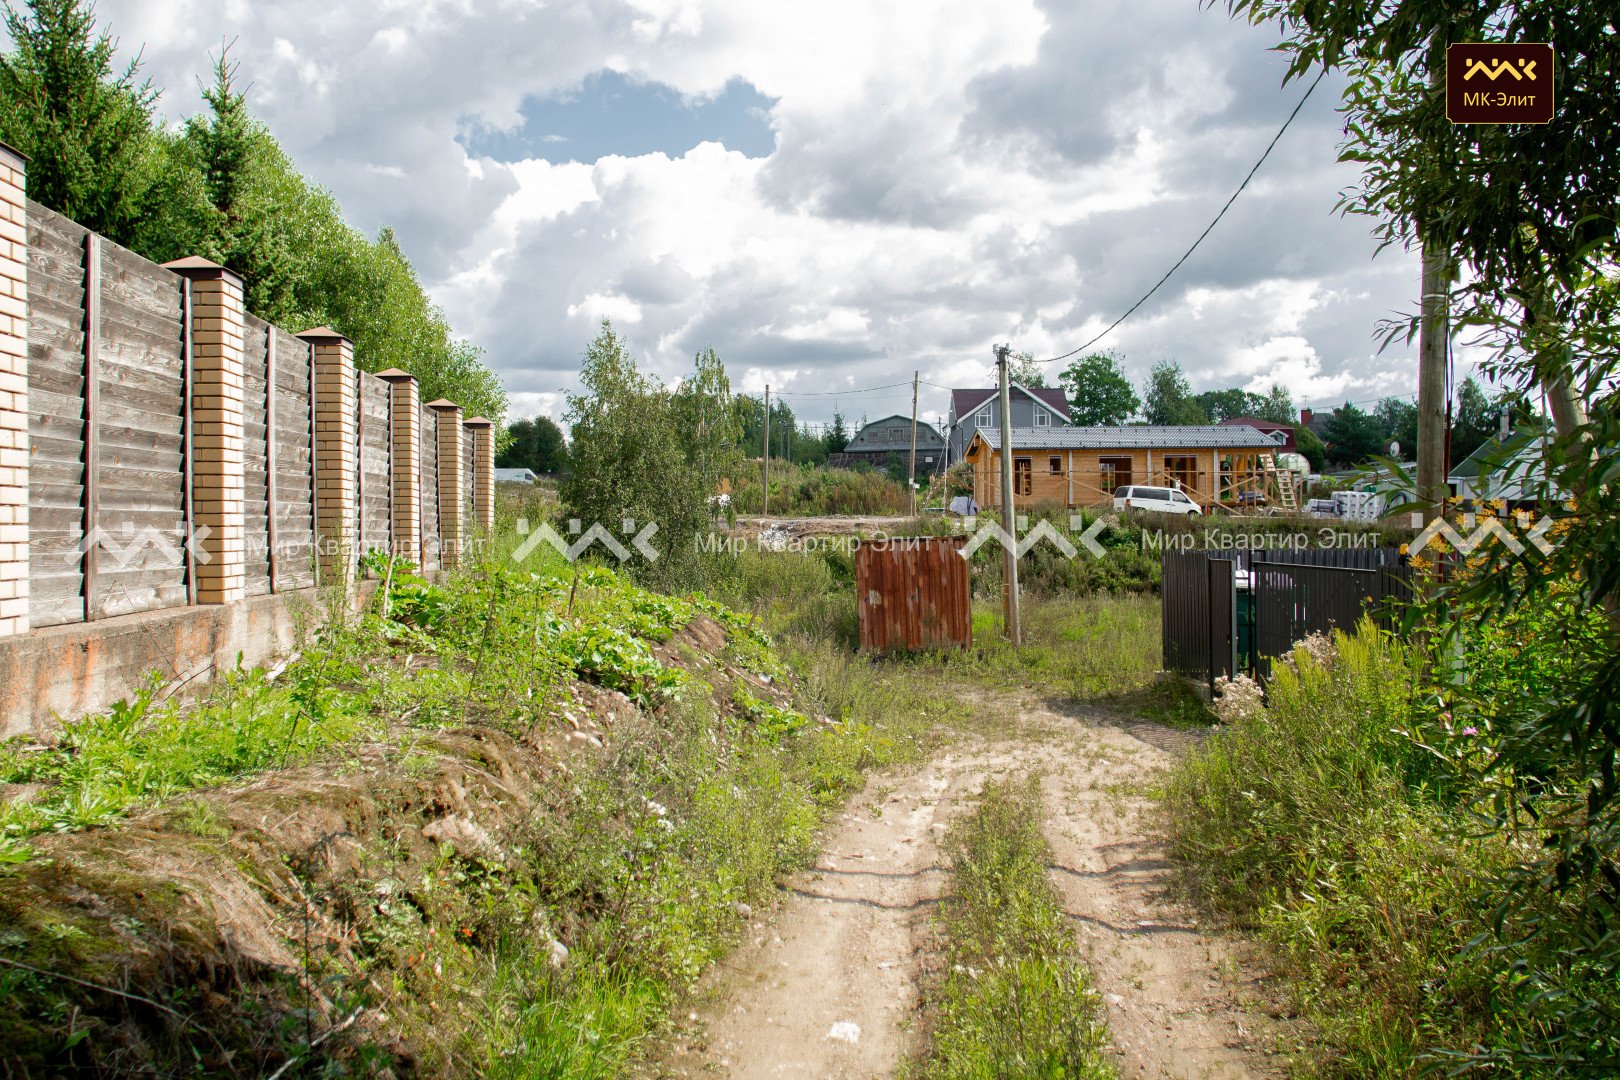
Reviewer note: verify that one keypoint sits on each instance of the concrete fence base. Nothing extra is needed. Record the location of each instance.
(65, 672)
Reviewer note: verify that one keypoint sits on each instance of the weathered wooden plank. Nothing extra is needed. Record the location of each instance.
(162, 446)
(255, 457)
(140, 319)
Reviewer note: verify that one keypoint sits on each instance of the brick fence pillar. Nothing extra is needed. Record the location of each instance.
(13, 394)
(336, 456)
(483, 478)
(451, 529)
(405, 463)
(218, 486)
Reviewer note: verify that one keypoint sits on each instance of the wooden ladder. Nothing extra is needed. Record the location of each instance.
(1281, 481)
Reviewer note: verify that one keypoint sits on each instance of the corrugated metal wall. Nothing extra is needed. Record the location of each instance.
(913, 593)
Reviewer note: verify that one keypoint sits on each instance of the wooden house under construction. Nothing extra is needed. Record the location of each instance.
(1227, 465)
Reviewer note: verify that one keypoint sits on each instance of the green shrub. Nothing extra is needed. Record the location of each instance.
(1315, 822)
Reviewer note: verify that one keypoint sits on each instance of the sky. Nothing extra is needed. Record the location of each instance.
(831, 194)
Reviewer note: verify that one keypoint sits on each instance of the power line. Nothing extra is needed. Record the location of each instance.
(1188, 254)
(838, 393)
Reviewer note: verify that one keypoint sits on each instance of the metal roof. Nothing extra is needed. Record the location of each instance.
(1133, 437)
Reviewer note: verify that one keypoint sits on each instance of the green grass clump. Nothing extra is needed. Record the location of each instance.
(1097, 645)
(1014, 999)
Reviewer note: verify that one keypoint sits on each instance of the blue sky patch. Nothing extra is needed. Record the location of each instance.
(615, 114)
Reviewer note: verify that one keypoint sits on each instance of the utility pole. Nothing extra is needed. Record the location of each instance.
(911, 469)
(1433, 335)
(765, 462)
(1012, 624)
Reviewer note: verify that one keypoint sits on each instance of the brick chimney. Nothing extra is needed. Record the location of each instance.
(1305, 417)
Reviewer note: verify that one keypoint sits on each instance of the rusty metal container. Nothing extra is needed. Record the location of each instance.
(913, 594)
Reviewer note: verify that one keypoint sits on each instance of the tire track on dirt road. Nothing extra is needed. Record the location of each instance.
(827, 985)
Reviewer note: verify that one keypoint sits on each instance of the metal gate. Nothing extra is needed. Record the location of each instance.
(1279, 597)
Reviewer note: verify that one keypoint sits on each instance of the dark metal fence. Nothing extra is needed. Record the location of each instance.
(1226, 612)
(1294, 600)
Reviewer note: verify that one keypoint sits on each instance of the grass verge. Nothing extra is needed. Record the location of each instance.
(1013, 998)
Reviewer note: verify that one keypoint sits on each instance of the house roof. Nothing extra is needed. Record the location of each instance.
(1132, 437)
(1257, 423)
(863, 442)
(964, 402)
(1491, 453)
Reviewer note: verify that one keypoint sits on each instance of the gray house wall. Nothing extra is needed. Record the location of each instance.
(894, 432)
(1024, 408)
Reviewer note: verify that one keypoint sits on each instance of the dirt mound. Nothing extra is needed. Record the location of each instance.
(217, 900)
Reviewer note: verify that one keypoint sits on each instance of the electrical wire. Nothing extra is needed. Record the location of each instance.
(837, 393)
(1188, 254)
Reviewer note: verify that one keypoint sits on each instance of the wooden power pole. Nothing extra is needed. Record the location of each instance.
(765, 462)
(1433, 336)
(1012, 623)
(911, 469)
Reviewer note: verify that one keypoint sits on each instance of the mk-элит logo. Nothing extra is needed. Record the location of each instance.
(1499, 82)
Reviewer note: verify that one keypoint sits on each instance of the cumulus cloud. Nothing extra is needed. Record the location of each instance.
(946, 174)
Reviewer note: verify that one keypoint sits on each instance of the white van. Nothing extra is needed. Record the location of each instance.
(1162, 500)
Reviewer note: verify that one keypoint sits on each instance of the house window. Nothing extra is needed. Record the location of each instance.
(1280, 438)
(1043, 418)
(1182, 468)
(1023, 476)
(984, 417)
(1054, 465)
(1116, 473)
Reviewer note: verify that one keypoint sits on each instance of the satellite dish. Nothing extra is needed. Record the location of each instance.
(1394, 448)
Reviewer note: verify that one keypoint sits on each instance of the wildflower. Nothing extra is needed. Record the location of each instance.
(1470, 731)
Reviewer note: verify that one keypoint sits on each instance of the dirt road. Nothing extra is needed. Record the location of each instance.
(828, 984)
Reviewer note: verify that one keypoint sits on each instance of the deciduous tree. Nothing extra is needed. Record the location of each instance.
(1098, 391)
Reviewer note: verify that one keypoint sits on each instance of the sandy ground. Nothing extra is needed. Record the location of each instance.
(827, 984)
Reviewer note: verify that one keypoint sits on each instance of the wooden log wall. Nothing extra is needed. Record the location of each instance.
(374, 402)
(430, 489)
